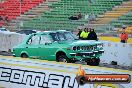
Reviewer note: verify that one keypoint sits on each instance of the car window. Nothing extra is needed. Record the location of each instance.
(3, 29)
(68, 36)
(61, 36)
(45, 39)
(34, 40)
(54, 36)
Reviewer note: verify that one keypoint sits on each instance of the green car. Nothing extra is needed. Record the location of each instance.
(60, 46)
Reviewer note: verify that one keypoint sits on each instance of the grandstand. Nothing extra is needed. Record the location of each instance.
(15, 8)
(119, 16)
(123, 20)
(57, 18)
(54, 14)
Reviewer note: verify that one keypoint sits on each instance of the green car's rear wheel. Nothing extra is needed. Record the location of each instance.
(24, 55)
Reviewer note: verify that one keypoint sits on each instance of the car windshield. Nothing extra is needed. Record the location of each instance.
(62, 36)
(27, 32)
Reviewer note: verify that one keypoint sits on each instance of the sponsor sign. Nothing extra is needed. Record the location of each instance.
(83, 78)
(19, 73)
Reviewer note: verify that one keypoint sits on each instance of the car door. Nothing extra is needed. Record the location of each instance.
(46, 48)
(33, 46)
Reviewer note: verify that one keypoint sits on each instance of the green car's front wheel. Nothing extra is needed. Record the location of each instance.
(63, 58)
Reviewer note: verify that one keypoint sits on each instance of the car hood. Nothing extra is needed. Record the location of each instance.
(80, 42)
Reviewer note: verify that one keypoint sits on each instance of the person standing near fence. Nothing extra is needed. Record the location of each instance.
(79, 33)
(92, 35)
(124, 36)
(84, 34)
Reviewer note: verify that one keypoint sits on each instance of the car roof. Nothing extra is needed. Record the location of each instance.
(2, 28)
(27, 30)
(47, 32)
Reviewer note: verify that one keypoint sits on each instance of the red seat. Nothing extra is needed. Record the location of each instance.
(1, 23)
(11, 8)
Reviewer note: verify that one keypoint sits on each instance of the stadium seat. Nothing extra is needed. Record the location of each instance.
(11, 8)
(57, 18)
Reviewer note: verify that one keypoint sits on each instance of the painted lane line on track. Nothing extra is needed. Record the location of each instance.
(58, 64)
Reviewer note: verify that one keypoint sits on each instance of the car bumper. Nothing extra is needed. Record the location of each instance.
(85, 55)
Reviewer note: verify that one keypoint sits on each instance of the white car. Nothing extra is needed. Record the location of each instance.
(6, 31)
(3, 30)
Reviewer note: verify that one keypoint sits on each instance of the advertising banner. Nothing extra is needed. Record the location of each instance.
(26, 73)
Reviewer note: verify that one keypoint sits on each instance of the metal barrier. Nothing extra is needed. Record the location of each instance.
(117, 52)
(9, 40)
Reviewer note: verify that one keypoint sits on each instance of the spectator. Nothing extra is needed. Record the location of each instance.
(92, 35)
(92, 17)
(86, 17)
(79, 33)
(6, 20)
(73, 18)
(76, 17)
(124, 36)
(84, 34)
(88, 31)
(79, 15)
